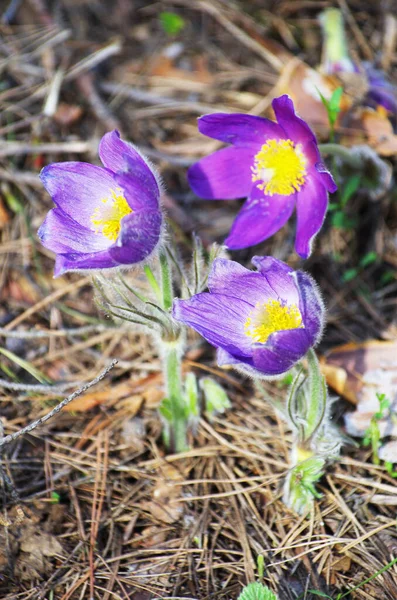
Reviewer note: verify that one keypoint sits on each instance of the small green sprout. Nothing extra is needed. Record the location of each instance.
(171, 23)
(256, 591)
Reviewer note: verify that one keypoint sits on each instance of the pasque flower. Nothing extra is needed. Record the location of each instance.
(263, 321)
(104, 216)
(276, 165)
(336, 60)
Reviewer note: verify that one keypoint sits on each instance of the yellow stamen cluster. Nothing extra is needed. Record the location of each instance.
(280, 166)
(269, 317)
(106, 219)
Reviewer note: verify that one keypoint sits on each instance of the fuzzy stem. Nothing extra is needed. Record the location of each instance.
(166, 281)
(316, 409)
(354, 160)
(173, 384)
(153, 282)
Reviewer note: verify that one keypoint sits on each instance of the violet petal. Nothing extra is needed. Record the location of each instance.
(311, 305)
(260, 217)
(232, 279)
(138, 237)
(311, 208)
(282, 350)
(219, 319)
(78, 188)
(225, 174)
(296, 128)
(60, 233)
(239, 129)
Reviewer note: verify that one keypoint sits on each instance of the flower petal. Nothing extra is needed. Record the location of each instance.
(311, 305)
(75, 261)
(279, 278)
(296, 128)
(78, 188)
(326, 178)
(138, 237)
(239, 129)
(232, 279)
(118, 155)
(225, 174)
(219, 319)
(282, 351)
(311, 208)
(60, 233)
(244, 364)
(260, 217)
(139, 191)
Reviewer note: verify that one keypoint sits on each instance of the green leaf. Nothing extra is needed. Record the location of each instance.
(332, 105)
(165, 409)
(191, 396)
(368, 259)
(25, 365)
(55, 498)
(216, 399)
(350, 188)
(256, 591)
(349, 275)
(171, 23)
(341, 221)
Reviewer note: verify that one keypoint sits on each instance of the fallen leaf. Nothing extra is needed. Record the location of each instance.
(165, 507)
(4, 216)
(67, 114)
(303, 84)
(359, 371)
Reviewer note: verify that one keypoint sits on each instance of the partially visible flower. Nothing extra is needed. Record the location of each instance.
(262, 322)
(104, 216)
(336, 57)
(380, 90)
(336, 60)
(276, 165)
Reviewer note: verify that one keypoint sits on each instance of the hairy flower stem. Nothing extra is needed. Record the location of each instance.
(347, 156)
(172, 348)
(172, 371)
(309, 418)
(317, 397)
(166, 281)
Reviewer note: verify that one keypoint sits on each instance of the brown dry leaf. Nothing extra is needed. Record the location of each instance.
(303, 84)
(374, 128)
(388, 452)
(32, 549)
(343, 565)
(110, 394)
(379, 130)
(153, 536)
(359, 371)
(40, 542)
(67, 114)
(21, 290)
(165, 506)
(4, 216)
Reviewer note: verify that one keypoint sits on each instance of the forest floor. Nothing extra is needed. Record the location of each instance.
(92, 506)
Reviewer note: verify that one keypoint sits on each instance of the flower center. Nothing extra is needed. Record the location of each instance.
(280, 166)
(271, 316)
(106, 219)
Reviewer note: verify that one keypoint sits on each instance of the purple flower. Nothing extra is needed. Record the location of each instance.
(261, 322)
(276, 165)
(380, 90)
(104, 216)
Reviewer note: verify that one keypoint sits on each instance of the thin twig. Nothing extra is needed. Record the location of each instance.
(10, 438)
(45, 333)
(57, 390)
